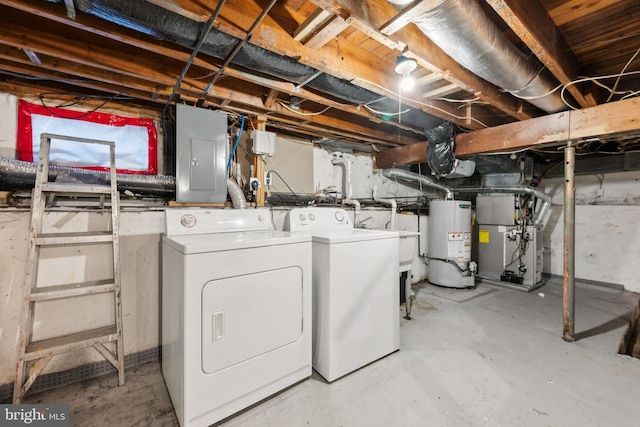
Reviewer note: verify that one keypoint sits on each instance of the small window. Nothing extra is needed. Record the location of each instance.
(136, 138)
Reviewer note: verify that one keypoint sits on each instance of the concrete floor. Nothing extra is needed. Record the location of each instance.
(491, 356)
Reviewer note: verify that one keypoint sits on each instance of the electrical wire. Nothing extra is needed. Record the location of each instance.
(595, 81)
(81, 116)
(386, 114)
(300, 113)
(615, 86)
(473, 119)
(283, 180)
(233, 150)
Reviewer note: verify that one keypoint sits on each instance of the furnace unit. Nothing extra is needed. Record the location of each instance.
(509, 246)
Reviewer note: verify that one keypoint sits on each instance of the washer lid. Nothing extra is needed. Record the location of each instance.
(213, 242)
(351, 235)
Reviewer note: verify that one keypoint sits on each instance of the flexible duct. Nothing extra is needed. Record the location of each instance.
(236, 194)
(20, 174)
(391, 202)
(414, 177)
(540, 217)
(465, 33)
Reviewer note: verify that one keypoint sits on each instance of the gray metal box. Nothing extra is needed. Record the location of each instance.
(496, 209)
(201, 155)
(497, 253)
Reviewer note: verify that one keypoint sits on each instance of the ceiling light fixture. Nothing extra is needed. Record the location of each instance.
(294, 103)
(404, 67)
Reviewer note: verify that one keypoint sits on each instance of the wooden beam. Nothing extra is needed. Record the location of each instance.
(399, 156)
(311, 25)
(271, 98)
(441, 91)
(531, 22)
(334, 26)
(602, 120)
(407, 15)
(427, 53)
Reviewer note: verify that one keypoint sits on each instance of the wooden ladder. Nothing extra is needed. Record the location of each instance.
(34, 356)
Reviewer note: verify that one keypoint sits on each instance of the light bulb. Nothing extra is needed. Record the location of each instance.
(407, 83)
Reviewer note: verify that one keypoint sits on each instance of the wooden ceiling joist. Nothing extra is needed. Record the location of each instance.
(603, 120)
(536, 29)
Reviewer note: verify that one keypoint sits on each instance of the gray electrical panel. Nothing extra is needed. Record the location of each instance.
(201, 155)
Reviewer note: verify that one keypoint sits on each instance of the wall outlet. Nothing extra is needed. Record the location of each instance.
(268, 178)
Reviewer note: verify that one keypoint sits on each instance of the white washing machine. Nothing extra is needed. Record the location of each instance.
(236, 311)
(356, 317)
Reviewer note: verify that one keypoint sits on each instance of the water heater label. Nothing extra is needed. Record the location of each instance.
(459, 246)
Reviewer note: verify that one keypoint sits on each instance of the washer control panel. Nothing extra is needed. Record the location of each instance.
(307, 219)
(182, 221)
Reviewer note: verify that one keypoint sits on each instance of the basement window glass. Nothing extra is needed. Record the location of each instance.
(135, 138)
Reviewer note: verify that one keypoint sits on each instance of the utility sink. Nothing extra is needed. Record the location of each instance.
(408, 240)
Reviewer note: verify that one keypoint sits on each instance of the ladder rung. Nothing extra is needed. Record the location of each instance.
(76, 188)
(57, 345)
(71, 238)
(72, 290)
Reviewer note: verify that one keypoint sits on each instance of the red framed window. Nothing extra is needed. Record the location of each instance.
(136, 138)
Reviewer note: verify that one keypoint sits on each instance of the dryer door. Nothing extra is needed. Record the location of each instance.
(246, 316)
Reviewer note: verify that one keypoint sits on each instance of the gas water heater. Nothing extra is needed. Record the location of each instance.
(449, 244)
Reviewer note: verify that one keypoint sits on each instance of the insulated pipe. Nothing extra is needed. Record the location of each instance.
(391, 202)
(235, 51)
(539, 217)
(348, 187)
(236, 194)
(464, 32)
(415, 177)
(568, 286)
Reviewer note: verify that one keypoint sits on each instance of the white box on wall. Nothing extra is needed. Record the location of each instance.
(264, 142)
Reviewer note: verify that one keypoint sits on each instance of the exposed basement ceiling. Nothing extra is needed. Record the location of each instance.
(334, 60)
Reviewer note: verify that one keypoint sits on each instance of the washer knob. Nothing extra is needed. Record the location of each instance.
(312, 217)
(339, 216)
(188, 221)
(302, 217)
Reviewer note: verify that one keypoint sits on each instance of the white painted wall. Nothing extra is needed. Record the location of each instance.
(607, 233)
(140, 252)
(364, 177)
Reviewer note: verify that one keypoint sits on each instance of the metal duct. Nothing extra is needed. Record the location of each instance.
(465, 33)
(20, 174)
(540, 217)
(415, 177)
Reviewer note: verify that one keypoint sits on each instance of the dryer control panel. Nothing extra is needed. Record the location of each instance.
(200, 221)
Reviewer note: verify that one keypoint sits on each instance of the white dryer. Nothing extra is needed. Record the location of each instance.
(356, 316)
(236, 311)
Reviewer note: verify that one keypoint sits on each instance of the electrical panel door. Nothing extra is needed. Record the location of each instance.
(201, 152)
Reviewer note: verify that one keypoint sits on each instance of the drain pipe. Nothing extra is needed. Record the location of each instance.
(568, 285)
(348, 187)
(540, 217)
(406, 175)
(390, 202)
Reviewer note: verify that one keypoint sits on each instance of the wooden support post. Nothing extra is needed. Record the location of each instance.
(259, 164)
